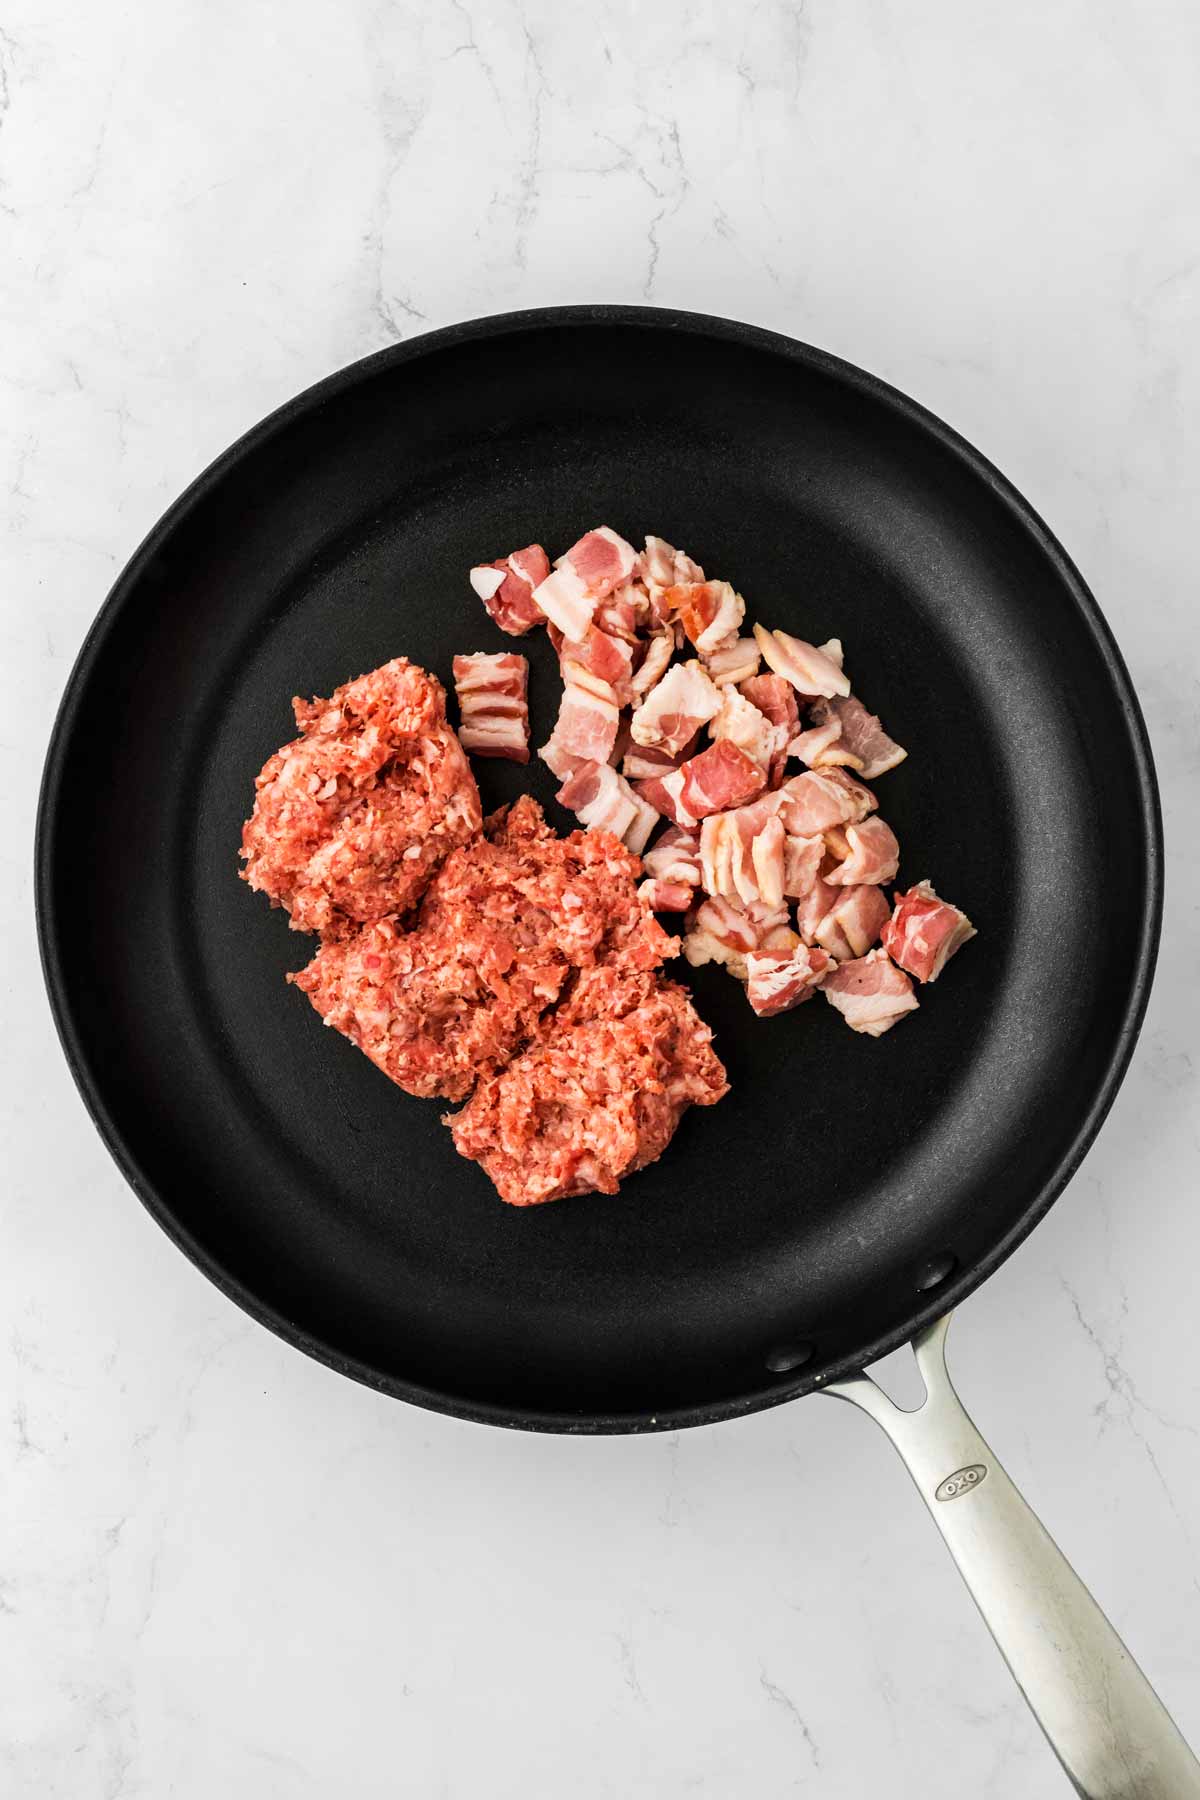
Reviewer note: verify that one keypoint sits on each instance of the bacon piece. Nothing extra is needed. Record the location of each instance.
(675, 857)
(491, 693)
(739, 720)
(812, 672)
(596, 661)
(709, 611)
(775, 698)
(621, 611)
(583, 576)
(723, 931)
(742, 854)
(856, 919)
(667, 896)
(586, 728)
(598, 1094)
(822, 798)
(870, 993)
(602, 800)
(672, 713)
(720, 777)
(660, 566)
(872, 855)
(924, 932)
(653, 666)
(641, 763)
(506, 588)
(859, 739)
(734, 662)
(776, 983)
(821, 747)
(352, 817)
(802, 857)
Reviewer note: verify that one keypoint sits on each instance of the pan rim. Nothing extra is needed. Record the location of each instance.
(499, 325)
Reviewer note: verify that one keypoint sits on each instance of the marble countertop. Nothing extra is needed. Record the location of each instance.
(225, 1571)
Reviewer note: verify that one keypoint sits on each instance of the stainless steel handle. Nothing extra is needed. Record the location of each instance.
(1104, 1721)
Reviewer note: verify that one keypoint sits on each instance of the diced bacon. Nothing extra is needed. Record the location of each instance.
(602, 800)
(661, 566)
(822, 747)
(709, 611)
(822, 798)
(675, 857)
(620, 612)
(491, 693)
(598, 656)
(873, 855)
(742, 854)
(734, 662)
(924, 932)
(776, 983)
(812, 672)
(870, 993)
(724, 932)
(667, 896)
(654, 663)
(720, 777)
(775, 698)
(801, 864)
(856, 918)
(506, 588)
(739, 720)
(585, 731)
(816, 905)
(586, 574)
(641, 763)
(858, 739)
(672, 713)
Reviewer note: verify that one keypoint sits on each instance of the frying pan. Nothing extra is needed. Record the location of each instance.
(848, 1193)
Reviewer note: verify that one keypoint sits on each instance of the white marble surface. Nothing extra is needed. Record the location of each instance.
(223, 1571)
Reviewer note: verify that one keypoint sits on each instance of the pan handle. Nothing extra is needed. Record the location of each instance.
(1104, 1721)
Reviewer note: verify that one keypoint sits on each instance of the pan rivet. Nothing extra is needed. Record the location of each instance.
(935, 1271)
(786, 1357)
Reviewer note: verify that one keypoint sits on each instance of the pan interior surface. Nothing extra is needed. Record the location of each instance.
(794, 1229)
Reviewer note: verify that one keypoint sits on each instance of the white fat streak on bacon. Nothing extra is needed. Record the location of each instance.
(710, 613)
(775, 983)
(602, 800)
(802, 857)
(675, 857)
(722, 931)
(586, 728)
(742, 854)
(739, 720)
(674, 710)
(872, 855)
(491, 692)
(598, 661)
(925, 931)
(856, 737)
(486, 579)
(820, 799)
(641, 763)
(821, 747)
(870, 992)
(733, 662)
(661, 566)
(666, 896)
(653, 666)
(811, 671)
